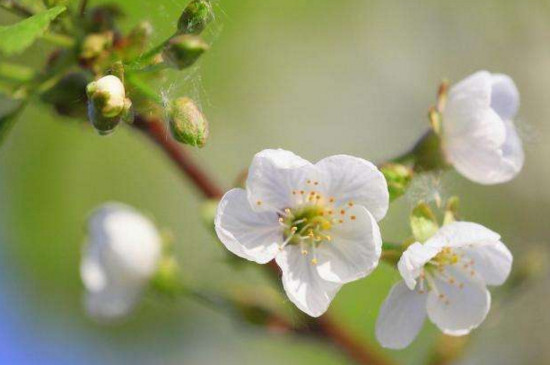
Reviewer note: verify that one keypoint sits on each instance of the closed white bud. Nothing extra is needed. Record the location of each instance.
(121, 257)
(107, 103)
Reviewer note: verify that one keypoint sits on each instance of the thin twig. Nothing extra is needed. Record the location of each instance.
(322, 328)
(82, 8)
(155, 130)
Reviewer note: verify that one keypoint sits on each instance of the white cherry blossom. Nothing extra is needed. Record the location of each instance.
(445, 278)
(479, 136)
(318, 221)
(120, 258)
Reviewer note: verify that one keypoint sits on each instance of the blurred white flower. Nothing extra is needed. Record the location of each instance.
(120, 258)
(445, 278)
(479, 136)
(319, 222)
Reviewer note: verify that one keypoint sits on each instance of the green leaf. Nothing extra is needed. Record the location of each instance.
(423, 222)
(18, 37)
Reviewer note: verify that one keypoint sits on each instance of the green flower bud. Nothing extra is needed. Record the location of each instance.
(195, 17)
(398, 177)
(107, 103)
(187, 123)
(183, 51)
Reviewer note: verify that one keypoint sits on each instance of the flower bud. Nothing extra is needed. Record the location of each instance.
(122, 255)
(398, 178)
(137, 39)
(107, 103)
(187, 123)
(95, 44)
(183, 51)
(195, 17)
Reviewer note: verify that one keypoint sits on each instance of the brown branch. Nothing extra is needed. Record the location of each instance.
(322, 328)
(155, 130)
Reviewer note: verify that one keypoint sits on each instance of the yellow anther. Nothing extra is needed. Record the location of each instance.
(304, 252)
(353, 217)
(350, 204)
(314, 261)
(259, 202)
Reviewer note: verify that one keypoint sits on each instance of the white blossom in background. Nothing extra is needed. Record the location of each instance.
(318, 221)
(445, 279)
(120, 258)
(479, 136)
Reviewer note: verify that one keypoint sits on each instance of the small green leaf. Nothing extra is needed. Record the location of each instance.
(423, 222)
(18, 37)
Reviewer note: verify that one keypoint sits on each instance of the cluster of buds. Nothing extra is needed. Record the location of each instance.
(107, 103)
(185, 48)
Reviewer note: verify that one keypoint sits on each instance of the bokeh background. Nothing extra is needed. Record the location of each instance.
(316, 77)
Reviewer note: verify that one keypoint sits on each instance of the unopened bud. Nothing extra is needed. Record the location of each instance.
(398, 177)
(95, 44)
(187, 123)
(107, 103)
(183, 51)
(138, 38)
(195, 17)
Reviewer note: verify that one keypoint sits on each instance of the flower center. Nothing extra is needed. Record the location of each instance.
(307, 224)
(438, 268)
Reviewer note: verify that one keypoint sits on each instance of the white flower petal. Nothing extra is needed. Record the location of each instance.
(401, 317)
(348, 178)
(303, 285)
(504, 96)
(492, 261)
(91, 271)
(124, 240)
(412, 261)
(468, 116)
(121, 256)
(272, 177)
(460, 234)
(255, 236)
(354, 250)
(457, 309)
(112, 302)
(479, 138)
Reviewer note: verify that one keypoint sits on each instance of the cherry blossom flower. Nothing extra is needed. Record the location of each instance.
(445, 278)
(318, 221)
(121, 256)
(479, 136)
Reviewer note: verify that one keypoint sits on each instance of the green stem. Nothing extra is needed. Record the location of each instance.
(143, 88)
(15, 72)
(59, 40)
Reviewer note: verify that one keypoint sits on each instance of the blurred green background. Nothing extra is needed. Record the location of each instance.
(315, 77)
